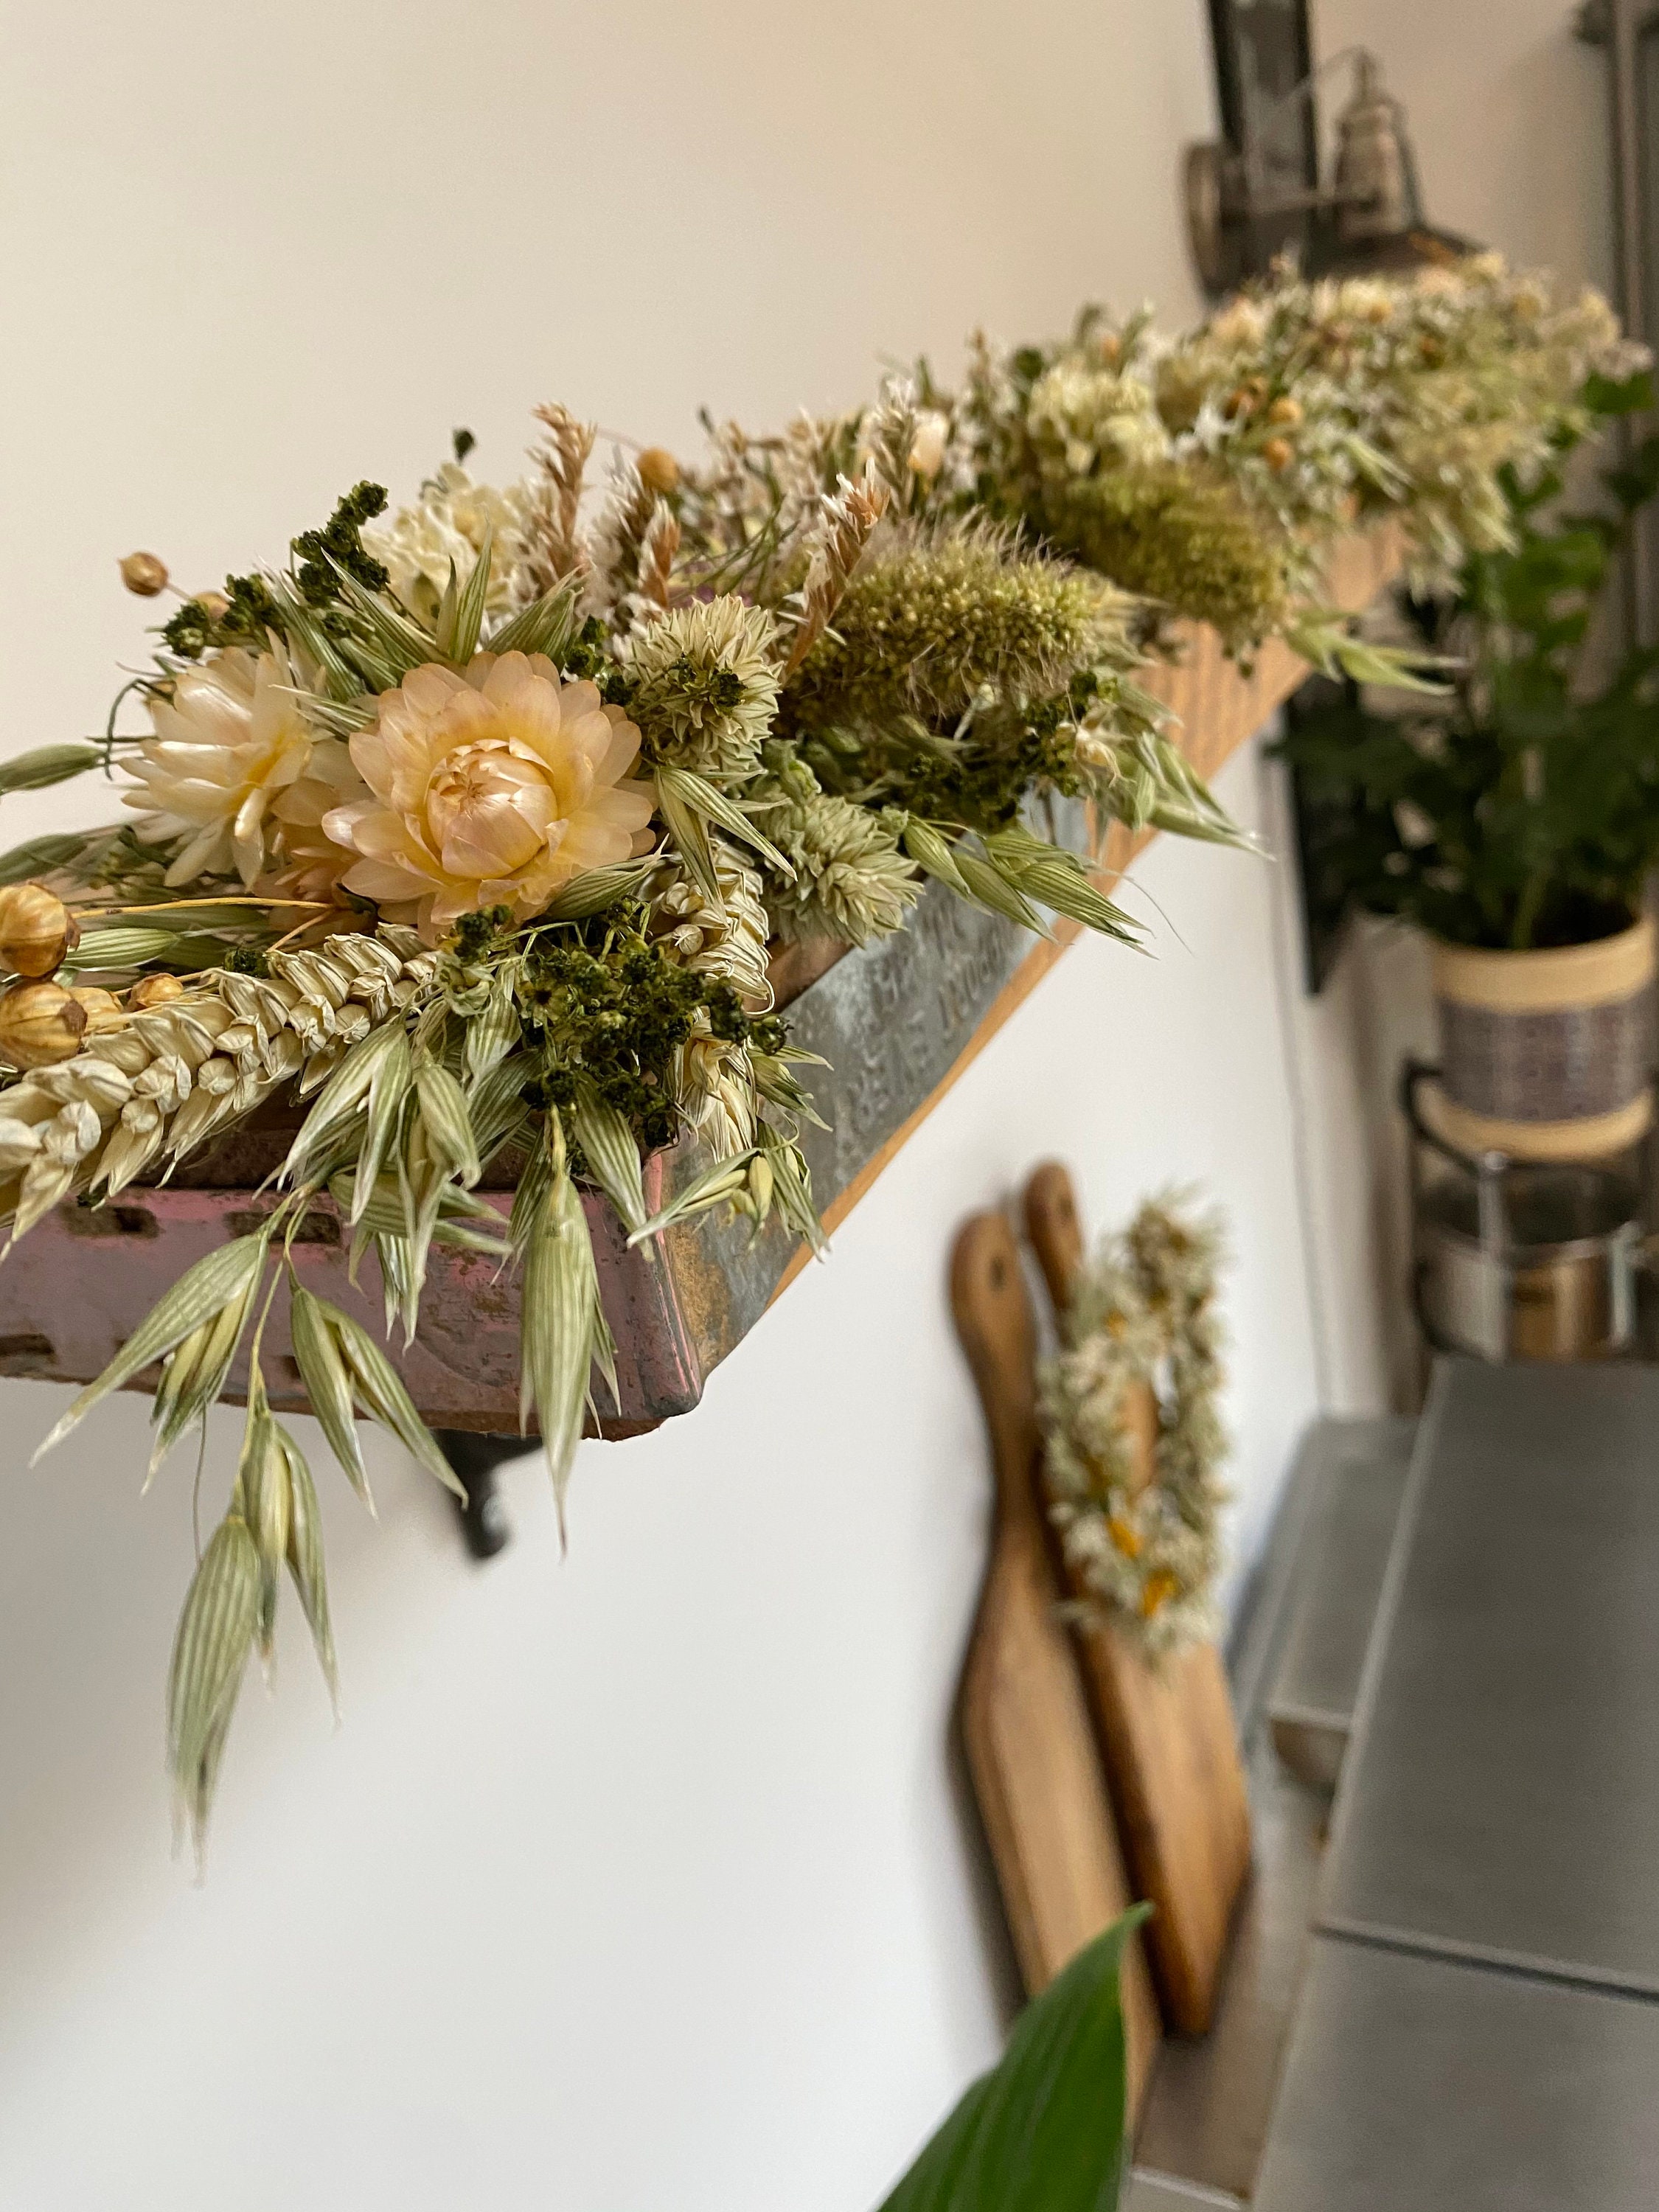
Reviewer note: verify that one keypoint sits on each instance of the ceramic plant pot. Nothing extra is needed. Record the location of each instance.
(1547, 1056)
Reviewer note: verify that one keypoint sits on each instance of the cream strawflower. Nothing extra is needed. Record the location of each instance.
(490, 788)
(229, 739)
(448, 524)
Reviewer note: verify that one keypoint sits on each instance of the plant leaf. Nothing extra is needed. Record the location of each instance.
(1044, 2131)
(604, 1134)
(458, 635)
(595, 889)
(305, 1560)
(443, 1106)
(706, 798)
(343, 1094)
(216, 1634)
(328, 1385)
(38, 856)
(691, 840)
(47, 765)
(200, 1292)
(388, 1089)
(988, 888)
(547, 625)
(560, 1297)
(380, 1389)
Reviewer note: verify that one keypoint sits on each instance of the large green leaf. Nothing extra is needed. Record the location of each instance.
(1044, 2131)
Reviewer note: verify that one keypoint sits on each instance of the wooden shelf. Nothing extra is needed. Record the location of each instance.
(898, 1023)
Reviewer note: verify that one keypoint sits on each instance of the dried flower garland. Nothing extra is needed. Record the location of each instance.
(1143, 1315)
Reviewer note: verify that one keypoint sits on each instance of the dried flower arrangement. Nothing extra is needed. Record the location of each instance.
(1209, 474)
(1143, 1316)
(469, 828)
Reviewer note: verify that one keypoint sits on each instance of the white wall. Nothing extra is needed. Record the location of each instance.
(640, 1881)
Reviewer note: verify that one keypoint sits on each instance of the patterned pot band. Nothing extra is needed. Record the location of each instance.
(1561, 1064)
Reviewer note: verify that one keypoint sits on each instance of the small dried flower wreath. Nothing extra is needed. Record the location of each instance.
(1144, 1313)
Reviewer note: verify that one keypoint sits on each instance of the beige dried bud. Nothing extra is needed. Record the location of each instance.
(659, 471)
(154, 991)
(103, 1009)
(36, 930)
(39, 1024)
(214, 605)
(1236, 403)
(145, 575)
(1286, 411)
(1278, 454)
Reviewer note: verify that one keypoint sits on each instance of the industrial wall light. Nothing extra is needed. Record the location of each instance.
(1368, 217)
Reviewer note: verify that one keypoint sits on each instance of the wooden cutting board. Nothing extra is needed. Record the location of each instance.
(1166, 1727)
(1029, 1739)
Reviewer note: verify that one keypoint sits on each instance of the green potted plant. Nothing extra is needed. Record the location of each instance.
(1513, 819)
(1046, 2130)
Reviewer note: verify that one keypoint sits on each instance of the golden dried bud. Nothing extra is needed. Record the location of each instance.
(39, 1023)
(154, 991)
(1236, 403)
(1278, 453)
(214, 605)
(1111, 348)
(103, 1009)
(1286, 410)
(145, 574)
(659, 471)
(36, 929)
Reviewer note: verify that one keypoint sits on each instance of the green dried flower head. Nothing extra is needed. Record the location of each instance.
(935, 617)
(1183, 538)
(852, 882)
(703, 686)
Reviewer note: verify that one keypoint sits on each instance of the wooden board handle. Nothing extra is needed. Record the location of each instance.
(994, 1320)
(1056, 1234)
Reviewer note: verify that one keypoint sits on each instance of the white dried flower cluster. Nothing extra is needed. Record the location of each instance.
(1143, 1316)
(167, 1077)
(714, 1080)
(446, 527)
(728, 942)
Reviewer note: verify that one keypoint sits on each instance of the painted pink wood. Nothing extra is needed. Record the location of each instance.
(80, 1283)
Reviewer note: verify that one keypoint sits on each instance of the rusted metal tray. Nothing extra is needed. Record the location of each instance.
(896, 1023)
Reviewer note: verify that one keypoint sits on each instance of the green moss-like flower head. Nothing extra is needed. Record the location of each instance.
(935, 616)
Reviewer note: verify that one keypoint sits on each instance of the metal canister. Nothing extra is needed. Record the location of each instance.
(1533, 1263)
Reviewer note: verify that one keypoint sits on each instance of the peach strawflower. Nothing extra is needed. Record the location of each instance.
(490, 788)
(306, 863)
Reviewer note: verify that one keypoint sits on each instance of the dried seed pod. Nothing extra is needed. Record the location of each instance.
(36, 930)
(39, 1023)
(659, 471)
(154, 991)
(1286, 411)
(1237, 402)
(103, 1009)
(1278, 453)
(145, 575)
